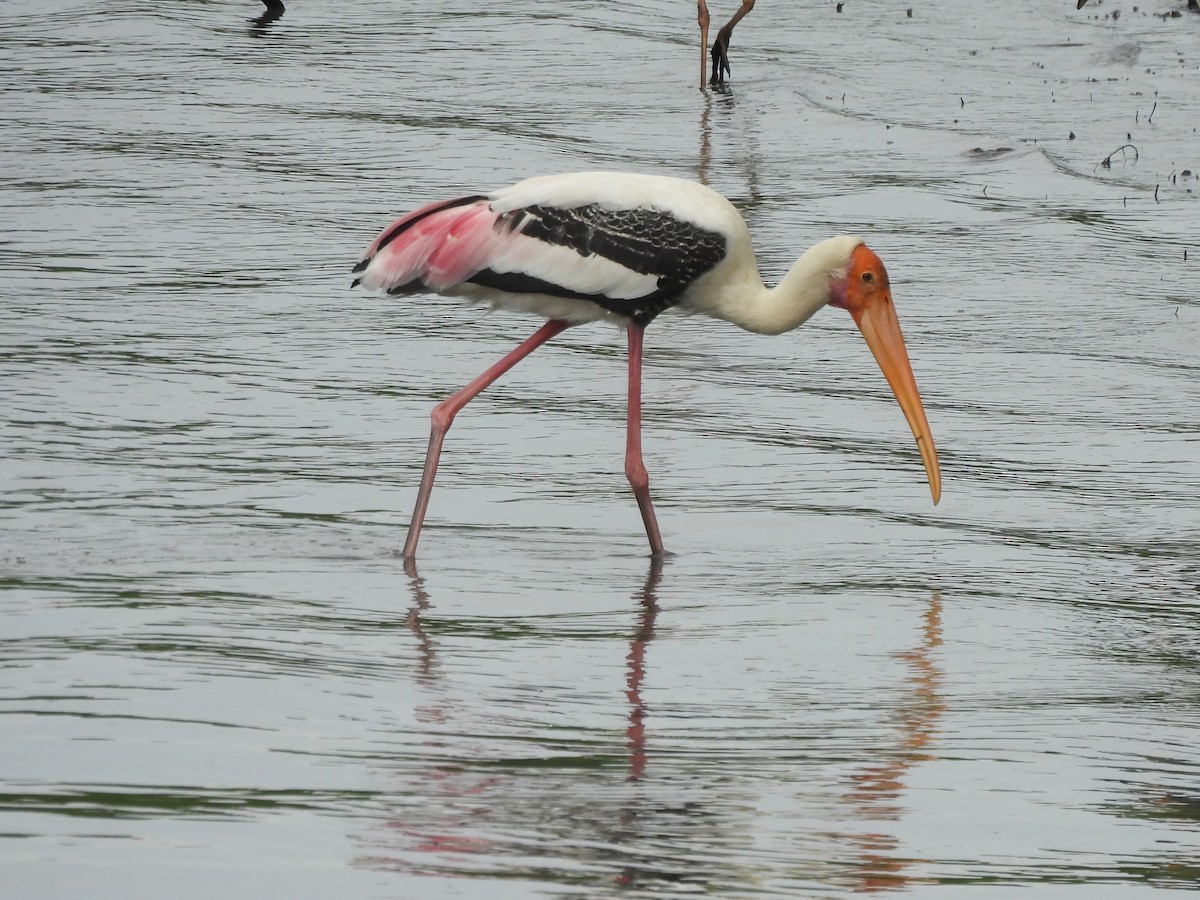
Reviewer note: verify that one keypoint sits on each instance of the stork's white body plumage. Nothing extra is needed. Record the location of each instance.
(623, 248)
(685, 201)
(731, 289)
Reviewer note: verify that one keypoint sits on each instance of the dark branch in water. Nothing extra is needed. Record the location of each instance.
(1107, 161)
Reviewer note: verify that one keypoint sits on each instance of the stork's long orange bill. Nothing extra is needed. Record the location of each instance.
(869, 301)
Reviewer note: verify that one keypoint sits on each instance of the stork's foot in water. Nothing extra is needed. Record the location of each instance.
(720, 47)
(720, 59)
(274, 10)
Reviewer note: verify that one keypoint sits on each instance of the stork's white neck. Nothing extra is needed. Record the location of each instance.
(803, 290)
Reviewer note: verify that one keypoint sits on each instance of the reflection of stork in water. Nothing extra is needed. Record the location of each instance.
(466, 794)
(878, 787)
(413, 619)
(635, 734)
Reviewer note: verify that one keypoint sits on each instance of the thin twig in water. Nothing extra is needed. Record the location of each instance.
(1107, 161)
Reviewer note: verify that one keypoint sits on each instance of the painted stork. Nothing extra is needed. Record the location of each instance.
(622, 248)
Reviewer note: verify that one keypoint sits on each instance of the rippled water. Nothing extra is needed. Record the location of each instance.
(218, 678)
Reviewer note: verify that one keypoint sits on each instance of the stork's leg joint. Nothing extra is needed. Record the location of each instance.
(443, 415)
(639, 478)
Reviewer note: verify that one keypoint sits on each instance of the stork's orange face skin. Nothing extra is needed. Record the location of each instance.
(867, 296)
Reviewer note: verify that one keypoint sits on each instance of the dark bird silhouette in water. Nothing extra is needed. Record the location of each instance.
(1193, 5)
(274, 10)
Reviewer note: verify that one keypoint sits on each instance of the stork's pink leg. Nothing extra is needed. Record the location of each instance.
(702, 18)
(444, 413)
(635, 469)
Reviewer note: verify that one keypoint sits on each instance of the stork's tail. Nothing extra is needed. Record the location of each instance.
(434, 247)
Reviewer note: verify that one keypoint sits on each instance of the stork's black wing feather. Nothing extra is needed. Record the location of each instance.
(646, 241)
